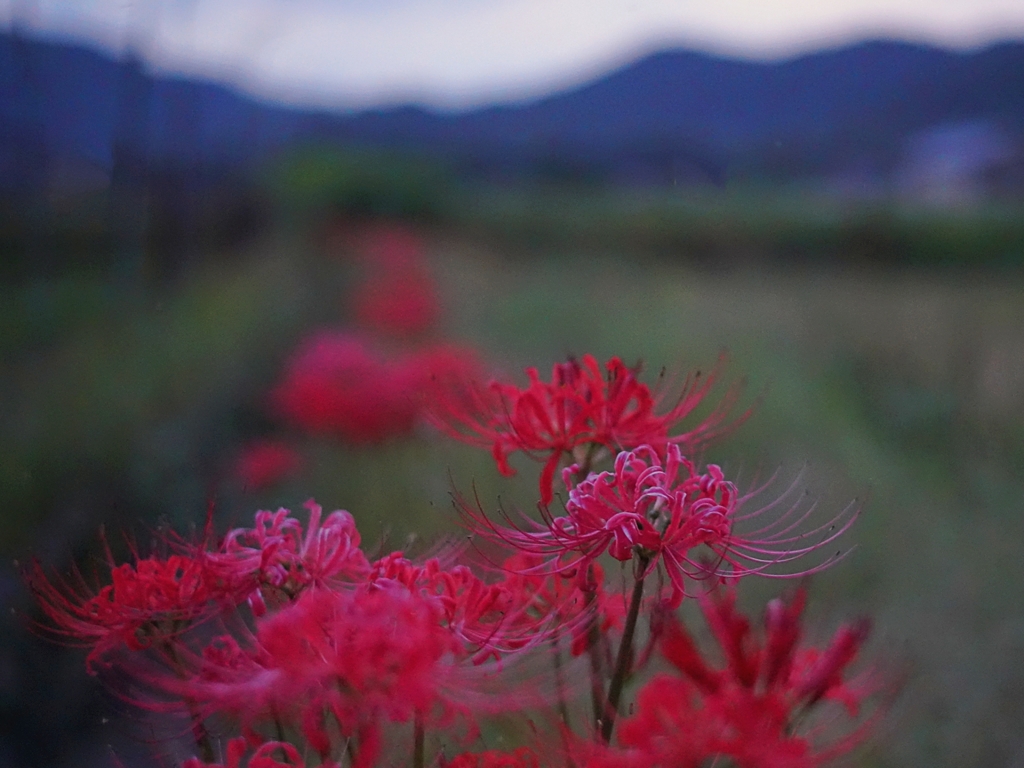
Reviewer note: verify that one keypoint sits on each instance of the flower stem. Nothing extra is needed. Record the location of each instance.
(622, 661)
(350, 750)
(563, 709)
(201, 736)
(418, 740)
(594, 652)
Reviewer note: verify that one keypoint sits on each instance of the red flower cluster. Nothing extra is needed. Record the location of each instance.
(287, 632)
(338, 383)
(152, 602)
(370, 385)
(748, 710)
(278, 554)
(333, 660)
(579, 413)
(572, 604)
(265, 462)
(662, 511)
(398, 298)
(489, 620)
(341, 646)
(145, 604)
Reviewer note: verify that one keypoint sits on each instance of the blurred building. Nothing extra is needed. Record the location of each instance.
(961, 164)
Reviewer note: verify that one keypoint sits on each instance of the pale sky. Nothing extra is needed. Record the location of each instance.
(460, 53)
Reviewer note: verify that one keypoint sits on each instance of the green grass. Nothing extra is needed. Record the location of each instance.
(733, 225)
(125, 395)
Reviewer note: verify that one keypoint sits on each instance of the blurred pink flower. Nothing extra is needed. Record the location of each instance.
(439, 370)
(400, 302)
(336, 383)
(332, 663)
(749, 709)
(264, 463)
(397, 297)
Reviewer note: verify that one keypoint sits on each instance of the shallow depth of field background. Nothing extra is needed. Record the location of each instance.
(883, 344)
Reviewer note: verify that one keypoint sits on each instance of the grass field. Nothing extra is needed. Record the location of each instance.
(901, 388)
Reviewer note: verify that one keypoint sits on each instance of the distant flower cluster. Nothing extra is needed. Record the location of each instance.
(286, 644)
(337, 384)
(365, 383)
(398, 297)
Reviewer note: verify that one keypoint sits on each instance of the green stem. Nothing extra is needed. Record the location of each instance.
(594, 653)
(622, 662)
(418, 740)
(278, 728)
(563, 710)
(593, 630)
(201, 735)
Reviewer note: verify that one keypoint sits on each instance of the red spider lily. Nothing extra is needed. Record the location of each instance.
(278, 553)
(146, 603)
(549, 592)
(521, 758)
(749, 709)
(437, 372)
(667, 512)
(398, 301)
(339, 664)
(264, 463)
(568, 602)
(578, 413)
(338, 384)
(263, 757)
(333, 663)
(489, 620)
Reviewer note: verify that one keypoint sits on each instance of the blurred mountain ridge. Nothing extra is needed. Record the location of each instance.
(854, 115)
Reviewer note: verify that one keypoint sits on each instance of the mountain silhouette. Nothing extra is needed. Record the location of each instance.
(671, 116)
